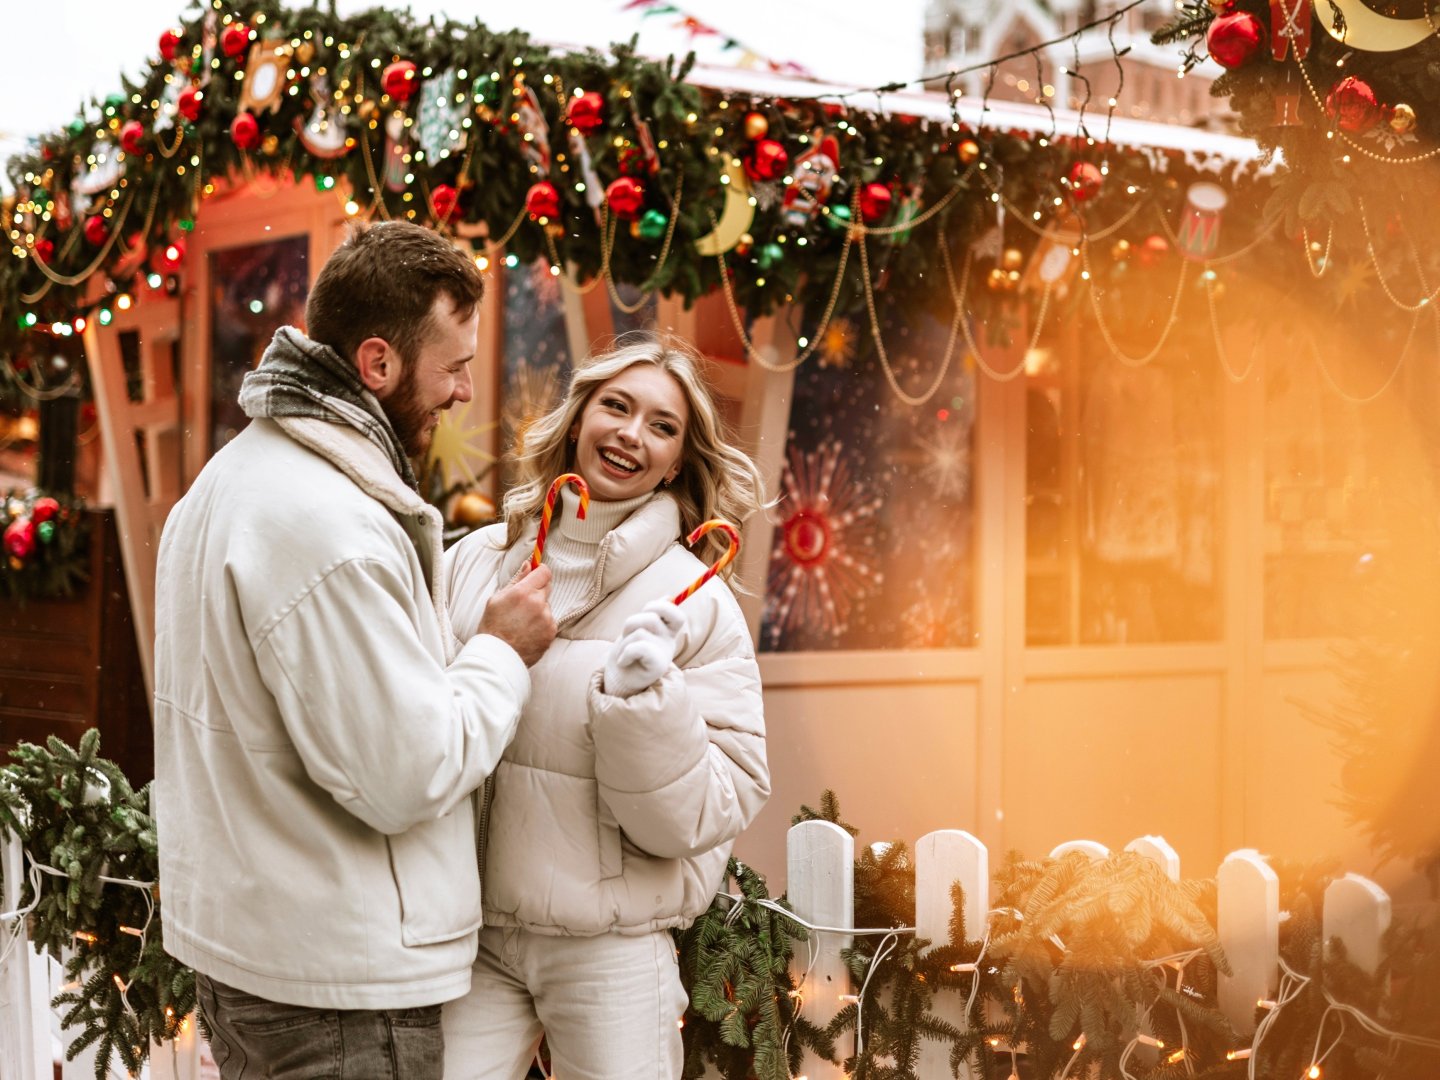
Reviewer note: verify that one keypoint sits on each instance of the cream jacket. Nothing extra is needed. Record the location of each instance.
(318, 729)
(617, 815)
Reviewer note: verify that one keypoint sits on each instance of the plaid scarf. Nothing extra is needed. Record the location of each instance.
(300, 377)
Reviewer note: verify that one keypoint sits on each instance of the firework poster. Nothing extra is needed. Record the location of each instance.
(874, 532)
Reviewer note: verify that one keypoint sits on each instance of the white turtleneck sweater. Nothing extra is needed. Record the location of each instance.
(572, 546)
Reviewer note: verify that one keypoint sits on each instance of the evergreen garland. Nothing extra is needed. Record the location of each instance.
(46, 550)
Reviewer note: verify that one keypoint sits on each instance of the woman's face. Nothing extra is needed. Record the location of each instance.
(630, 434)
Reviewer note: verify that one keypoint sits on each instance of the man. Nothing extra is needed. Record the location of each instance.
(319, 729)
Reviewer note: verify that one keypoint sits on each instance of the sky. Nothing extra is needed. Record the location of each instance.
(86, 44)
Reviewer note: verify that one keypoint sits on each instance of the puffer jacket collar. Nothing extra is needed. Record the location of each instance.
(629, 548)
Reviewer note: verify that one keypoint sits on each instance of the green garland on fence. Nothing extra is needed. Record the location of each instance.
(1080, 958)
(46, 550)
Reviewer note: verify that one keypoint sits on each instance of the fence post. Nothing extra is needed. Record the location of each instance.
(26, 1055)
(1357, 911)
(942, 858)
(1248, 925)
(178, 1060)
(1097, 851)
(1159, 849)
(820, 873)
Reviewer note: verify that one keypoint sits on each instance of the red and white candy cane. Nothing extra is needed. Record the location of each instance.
(555, 486)
(720, 564)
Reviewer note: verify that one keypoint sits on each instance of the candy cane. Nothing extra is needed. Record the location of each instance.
(555, 486)
(724, 560)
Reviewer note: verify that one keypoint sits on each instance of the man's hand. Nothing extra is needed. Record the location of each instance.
(647, 644)
(519, 615)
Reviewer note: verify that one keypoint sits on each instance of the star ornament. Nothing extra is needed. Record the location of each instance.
(456, 446)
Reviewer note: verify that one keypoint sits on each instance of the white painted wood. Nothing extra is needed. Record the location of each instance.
(1248, 925)
(24, 1057)
(178, 1060)
(942, 858)
(1159, 849)
(1357, 911)
(820, 871)
(1095, 850)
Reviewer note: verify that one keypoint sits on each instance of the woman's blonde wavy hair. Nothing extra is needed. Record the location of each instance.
(716, 479)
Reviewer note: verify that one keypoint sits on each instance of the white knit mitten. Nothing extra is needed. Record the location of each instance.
(647, 644)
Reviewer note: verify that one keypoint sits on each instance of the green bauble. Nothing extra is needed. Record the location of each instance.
(652, 225)
(76, 126)
(839, 217)
(769, 255)
(46, 531)
(114, 102)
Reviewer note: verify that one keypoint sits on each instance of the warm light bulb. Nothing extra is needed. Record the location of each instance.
(1238, 1055)
(1078, 1044)
(1313, 1072)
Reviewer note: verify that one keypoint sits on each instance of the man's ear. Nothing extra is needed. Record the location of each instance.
(378, 365)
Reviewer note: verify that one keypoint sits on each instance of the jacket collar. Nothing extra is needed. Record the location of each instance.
(360, 459)
(628, 549)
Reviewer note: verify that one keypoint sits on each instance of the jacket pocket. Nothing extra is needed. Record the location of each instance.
(437, 879)
(608, 839)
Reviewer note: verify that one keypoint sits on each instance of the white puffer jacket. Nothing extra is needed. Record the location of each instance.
(608, 814)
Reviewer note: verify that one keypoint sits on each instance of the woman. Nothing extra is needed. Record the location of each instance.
(641, 753)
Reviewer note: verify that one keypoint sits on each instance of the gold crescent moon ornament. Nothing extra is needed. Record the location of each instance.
(735, 219)
(1351, 23)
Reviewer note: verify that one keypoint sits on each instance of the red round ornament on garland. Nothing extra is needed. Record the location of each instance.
(97, 230)
(245, 131)
(132, 136)
(1351, 106)
(1234, 39)
(875, 199)
(44, 509)
(444, 199)
(1085, 180)
(235, 39)
(542, 201)
(586, 112)
(767, 161)
(45, 249)
(1155, 248)
(170, 257)
(398, 80)
(625, 196)
(170, 43)
(20, 538)
(190, 102)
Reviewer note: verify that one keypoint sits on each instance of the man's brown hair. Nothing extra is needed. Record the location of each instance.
(383, 282)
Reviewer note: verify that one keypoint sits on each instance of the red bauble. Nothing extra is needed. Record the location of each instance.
(586, 112)
(1351, 106)
(190, 102)
(875, 199)
(97, 230)
(625, 196)
(45, 249)
(20, 538)
(245, 131)
(170, 43)
(444, 198)
(235, 39)
(44, 509)
(170, 257)
(1234, 39)
(132, 135)
(543, 201)
(1155, 248)
(399, 80)
(767, 161)
(1085, 181)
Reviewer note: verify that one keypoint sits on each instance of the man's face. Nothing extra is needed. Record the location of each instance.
(435, 379)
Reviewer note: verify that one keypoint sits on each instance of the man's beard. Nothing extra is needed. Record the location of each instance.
(408, 416)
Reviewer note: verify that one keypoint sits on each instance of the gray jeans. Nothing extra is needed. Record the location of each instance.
(253, 1038)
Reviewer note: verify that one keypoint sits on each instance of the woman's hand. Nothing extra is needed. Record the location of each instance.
(647, 644)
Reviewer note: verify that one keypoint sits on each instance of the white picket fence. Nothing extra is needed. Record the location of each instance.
(821, 888)
(31, 1037)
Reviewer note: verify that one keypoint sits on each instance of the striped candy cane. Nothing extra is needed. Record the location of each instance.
(720, 564)
(554, 493)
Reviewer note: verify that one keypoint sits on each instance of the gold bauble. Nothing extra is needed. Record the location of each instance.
(756, 126)
(744, 244)
(16, 563)
(1219, 6)
(1120, 250)
(305, 53)
(269, 145)
(1013, 259)
(472, 509)
(969, 151)
(997, 279)
(366, 110)
(1402, 119)
(16, 508)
